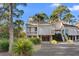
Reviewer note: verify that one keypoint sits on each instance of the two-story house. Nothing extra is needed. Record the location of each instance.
(60, 31)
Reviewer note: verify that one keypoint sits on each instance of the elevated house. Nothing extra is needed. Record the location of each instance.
(60, 31)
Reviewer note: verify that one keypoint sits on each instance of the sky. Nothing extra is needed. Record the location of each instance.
(34, 8)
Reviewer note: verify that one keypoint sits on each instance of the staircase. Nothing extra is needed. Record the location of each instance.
(64, 36)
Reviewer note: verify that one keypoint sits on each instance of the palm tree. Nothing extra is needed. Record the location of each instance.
(40, 17)
(18, 26)
(68, 17)
(59, 13)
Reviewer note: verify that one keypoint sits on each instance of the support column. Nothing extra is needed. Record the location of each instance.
(37, 36)
(37, 32)
(41, 37)
(75, 38)
(51, 37)
(32, 36)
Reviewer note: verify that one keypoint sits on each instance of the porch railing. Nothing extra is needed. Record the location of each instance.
(31, 33)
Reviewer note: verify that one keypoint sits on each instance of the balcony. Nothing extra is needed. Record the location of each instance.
(31, 33)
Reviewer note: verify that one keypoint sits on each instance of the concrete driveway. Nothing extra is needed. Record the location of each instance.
(60, 49)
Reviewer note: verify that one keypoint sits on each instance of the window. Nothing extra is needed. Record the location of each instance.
(77, 37)
(35, 28)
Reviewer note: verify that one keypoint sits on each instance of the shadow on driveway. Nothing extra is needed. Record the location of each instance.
(59, 50)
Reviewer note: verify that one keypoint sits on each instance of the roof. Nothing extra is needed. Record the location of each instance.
(67, 24)
(77, 24)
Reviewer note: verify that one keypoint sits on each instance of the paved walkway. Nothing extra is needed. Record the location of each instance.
(4, 54)
(61, 49)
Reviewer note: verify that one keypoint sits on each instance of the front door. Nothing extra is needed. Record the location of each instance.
(45, 38)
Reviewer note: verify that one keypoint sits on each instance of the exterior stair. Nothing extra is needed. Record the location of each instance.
(64, 36)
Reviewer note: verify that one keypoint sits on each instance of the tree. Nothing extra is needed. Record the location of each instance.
(59, 13)
(18, 27)
(40, 17)
(68, 17)
(8, 12)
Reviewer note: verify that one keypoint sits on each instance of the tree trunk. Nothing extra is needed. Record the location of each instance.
(10, 28)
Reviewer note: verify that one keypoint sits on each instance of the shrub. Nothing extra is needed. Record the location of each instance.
(4, 45)
(53, 42)
(22, 47)
(35, 40)
(23, 35)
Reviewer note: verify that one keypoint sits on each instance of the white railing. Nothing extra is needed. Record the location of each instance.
(31, 33)
(52, 32)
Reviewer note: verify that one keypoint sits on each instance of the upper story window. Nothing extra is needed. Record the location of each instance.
(35, 28)
(78, 37)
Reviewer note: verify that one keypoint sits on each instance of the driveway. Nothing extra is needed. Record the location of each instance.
(60, 49)
(4, 54)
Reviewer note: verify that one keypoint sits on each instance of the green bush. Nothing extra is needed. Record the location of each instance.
(22, 47)
(35, 40)
(4, 45)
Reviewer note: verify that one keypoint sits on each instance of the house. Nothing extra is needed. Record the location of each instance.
(60, 31)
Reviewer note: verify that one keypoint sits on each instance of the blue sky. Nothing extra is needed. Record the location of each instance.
(33, 8)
